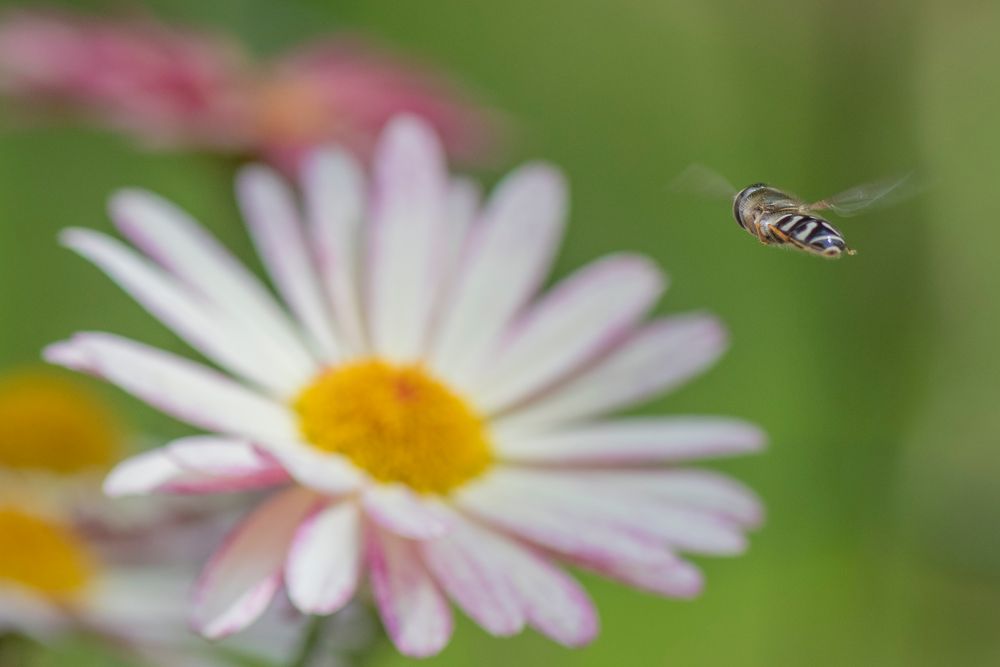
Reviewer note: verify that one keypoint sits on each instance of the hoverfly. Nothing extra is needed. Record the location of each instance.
(777, 218)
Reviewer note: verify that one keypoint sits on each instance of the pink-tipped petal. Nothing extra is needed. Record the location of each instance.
(609, 504)
(657, 358)
(143, 473)
(502, 499)
(324, 561)
(398, 510)
(274, 222)
(581, 318)
(186, 467)
(241, 578)
(174, 305)
(415, 613)
(471, 574)
(632, 441)
(507, 257)
(704, 490)
(554, 604)
(225, 457)
(186, 390)
(176, 242)
(677, 579)
(333, 188)
(406, 249)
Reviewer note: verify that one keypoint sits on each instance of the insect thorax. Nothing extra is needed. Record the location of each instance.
(755, 201)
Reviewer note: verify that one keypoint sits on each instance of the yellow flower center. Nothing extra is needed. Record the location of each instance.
(397, 423)
(49, 423)
(293, 110)
(42, 555)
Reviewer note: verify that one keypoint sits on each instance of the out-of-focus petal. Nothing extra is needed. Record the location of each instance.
(406, 247)
(397, 509)
(188, 391)
(506, 258)
(657, 358)
(500, 499)
(329, 474)
(522, 499)
(632, 441)
(176, 242)
(273, 219)
(415, 613)
(575, 322)
(324, 562)
(554, 604)
(224, 466)
(475, 578)
(175, 306)
(334, 192)
(348, 90)
(241, 578)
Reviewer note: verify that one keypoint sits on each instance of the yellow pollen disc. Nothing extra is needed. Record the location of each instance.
(53, 424)
(42, 555)
(397, 423)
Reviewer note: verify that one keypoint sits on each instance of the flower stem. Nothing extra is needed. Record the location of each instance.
(310, 642)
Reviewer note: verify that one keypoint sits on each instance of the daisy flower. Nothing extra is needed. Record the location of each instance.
(56, 440)
(170, 86)
(425, 419)
(71, 561)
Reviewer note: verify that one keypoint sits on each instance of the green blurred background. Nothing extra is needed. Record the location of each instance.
(876, 376)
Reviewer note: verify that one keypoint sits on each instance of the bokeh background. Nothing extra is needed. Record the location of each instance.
(877, 376)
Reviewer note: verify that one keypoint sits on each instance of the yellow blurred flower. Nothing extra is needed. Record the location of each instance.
(51, 424)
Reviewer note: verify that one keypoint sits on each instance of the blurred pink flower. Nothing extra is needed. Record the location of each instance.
(173, 87)
(424, 417)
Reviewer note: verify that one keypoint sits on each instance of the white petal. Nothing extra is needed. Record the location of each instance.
(414, 612)
(583, 497)
(579, 319)
(273, 219)
(186, 390)
(399, 510)
(657, 358)
(329, 474)
(406, 248)
(474, 577)
(224, 468)
(143, 473)
(175, 241)
(220, 457)
(464, 196)
(631, 441)
(699, 489)
(242, 577)
(558, 524)
(209, 332)
(553, 602)
(24, 611)
(678, 579)
(324, 562)
(507, 257)
(334, 193)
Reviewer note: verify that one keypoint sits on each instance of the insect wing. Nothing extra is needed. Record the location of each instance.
(863, 197)
(703, 181)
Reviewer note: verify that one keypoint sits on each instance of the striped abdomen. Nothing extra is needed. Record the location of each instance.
(806, 232)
